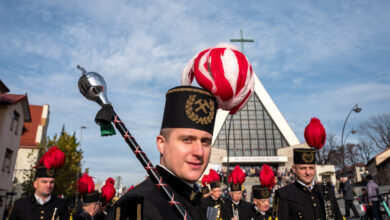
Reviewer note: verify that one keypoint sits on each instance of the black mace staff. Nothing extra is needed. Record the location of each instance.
(93, 87)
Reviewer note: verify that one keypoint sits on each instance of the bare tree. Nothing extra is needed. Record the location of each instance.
(329, 153)
(352, 154)
(377, 129)
(366, 150)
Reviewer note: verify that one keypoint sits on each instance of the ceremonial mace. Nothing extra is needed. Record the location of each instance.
(93, 87)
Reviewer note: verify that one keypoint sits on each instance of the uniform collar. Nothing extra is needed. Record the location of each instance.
(41, 201)
(181, 187)
(304, 185)
(258, 210)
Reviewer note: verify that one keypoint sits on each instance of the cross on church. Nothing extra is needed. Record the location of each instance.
(242, 40)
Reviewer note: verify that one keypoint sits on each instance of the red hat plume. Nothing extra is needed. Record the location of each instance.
(53, 158)
(85, 184)
(267, 176)
(315, 134)
(237, 176)
(108, 190)
(205, 180)
(225, 72)
(213, 176)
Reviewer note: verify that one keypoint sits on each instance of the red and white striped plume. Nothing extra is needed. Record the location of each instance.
(225, 72)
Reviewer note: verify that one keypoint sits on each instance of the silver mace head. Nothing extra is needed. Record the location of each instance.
(93, 87)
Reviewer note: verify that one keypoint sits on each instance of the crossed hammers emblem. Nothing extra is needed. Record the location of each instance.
(202, 106)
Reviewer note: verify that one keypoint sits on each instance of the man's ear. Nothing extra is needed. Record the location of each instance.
(35, 184)
(160, 142)
(293, 168)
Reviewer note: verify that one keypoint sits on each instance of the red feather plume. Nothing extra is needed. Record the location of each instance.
(85, 184)
(237, 176)
(108, 190)
(53, 158)
(267, 176)
(315, 134)
(205, 180)
(213, 176)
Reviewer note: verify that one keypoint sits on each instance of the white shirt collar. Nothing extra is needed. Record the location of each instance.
(308, 187)
(236, 203)
(41, 201)
(257, 209)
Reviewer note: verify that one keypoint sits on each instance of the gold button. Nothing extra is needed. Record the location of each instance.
(304, 189)
(315, 205)
(41, 217)
(312, 197)
(42, 211)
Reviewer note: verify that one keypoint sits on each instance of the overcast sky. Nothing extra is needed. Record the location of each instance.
(315, 58)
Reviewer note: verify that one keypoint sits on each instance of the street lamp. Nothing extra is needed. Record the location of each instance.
(352, 131)
(79, 163)
(356, 109)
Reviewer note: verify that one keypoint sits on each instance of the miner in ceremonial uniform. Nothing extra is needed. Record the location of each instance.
(205, 188)
(108, 193)
(43, 205)
(212, 205)
(90, 198)
(184, 142)
(262, 194)
(304, 199)
(236, 208)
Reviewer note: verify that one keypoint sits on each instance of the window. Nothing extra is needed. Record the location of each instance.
(7, 161)
(15, 122)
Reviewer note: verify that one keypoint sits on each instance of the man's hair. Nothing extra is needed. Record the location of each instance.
(166, 133)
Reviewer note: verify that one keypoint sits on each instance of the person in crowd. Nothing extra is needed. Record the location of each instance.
(43, 204)
(373, 191)
(348, 196)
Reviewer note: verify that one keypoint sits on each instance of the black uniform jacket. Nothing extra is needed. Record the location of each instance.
(298, 202)
(256, 215)
(210, 202)
(83, 215)
(244, 209)
(28, 208)
(146, 202)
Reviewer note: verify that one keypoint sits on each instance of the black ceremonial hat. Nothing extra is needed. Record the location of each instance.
(91, 197)
(304, 156)
(42, 171)
(261, 192)
(204, 190)
(189, 107)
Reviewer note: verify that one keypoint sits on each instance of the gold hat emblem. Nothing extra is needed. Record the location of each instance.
(308, 157)
(50, 172)
(264, 193)
(201, 105)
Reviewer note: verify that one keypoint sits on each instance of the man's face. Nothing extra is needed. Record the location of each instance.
(44, 186)
(305, 172)
(216, 192)
(186, 152)
(236, 195)
(262, 204)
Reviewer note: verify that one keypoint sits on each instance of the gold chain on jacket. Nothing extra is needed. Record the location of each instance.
(329, 215)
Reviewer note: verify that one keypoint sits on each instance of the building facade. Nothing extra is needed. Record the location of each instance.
(14, 112)
(28, 152)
